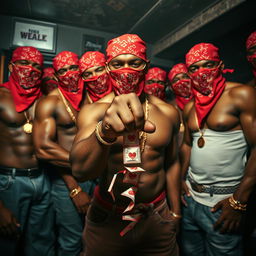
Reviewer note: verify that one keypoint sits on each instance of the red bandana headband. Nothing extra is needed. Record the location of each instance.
(177, 69)
(91, 59)
(126, 44)
(251, 40)
(65, 58)
(156, 74)
(202, 51)
(27, 53)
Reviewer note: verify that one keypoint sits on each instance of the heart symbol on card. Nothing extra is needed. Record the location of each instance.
(131, 192)
(132, 155)
(131, 137)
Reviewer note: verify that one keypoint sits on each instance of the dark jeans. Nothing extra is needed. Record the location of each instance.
(154, 234)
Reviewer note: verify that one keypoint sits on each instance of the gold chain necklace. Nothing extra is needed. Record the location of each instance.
(200, 141)
(28, 126)
(143, 135)
(71, 114)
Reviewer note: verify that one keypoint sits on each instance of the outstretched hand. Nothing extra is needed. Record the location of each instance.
(125, 115)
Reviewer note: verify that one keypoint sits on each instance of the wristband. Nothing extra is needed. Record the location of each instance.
(75, 191)
(98, 136)
(175, 215)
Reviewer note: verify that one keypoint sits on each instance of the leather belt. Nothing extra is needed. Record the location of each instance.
(27, 172)
(210, 189)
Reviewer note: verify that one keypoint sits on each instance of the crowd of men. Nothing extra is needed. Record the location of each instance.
(95, 160)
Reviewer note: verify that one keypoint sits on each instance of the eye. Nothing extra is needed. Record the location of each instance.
(86, 74)
(192, 69)
(62, 71)
(100, 69)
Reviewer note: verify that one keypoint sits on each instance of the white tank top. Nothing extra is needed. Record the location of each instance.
(220, 162)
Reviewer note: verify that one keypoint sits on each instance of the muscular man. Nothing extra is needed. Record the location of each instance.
(94, 74)
(25, 209)
(181, 86)
(129, 214)
(54, 131)
(155, 82)
(49, 81)
(219, 129)
(251, 55)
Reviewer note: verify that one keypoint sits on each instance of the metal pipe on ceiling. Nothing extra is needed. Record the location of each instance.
(149, 12)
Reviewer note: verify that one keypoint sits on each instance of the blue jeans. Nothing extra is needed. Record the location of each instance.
(29, 200)
(198, 238)
(69, 223)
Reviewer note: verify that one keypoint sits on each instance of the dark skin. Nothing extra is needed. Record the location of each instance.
(54, 132)
(235, 110)
(17, 149)
(125, 113)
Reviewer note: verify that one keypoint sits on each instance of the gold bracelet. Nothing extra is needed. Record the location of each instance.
(99, 138)
(175, 215)
(236, 205)
(75, 191)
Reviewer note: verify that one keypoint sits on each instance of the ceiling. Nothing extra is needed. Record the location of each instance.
(153, 20)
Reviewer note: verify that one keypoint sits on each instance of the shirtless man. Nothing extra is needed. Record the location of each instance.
(94, 74)
(155, 82)
(25, 208)
(251, 55)
(147, 227)
(181, 86)
(54, 131)
(219, 129)
(49, 81)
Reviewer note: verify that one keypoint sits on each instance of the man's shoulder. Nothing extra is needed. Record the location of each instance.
(166, 108)
(240, 90)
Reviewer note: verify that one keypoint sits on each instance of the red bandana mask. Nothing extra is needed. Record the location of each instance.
(155, 89)
(98, 86)
(208, 84)
(182, 88)
(24, 82)
(127, 80)
(69, 83)
(250, 42)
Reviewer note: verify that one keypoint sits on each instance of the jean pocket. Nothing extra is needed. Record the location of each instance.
(96, 216)
(5, 182)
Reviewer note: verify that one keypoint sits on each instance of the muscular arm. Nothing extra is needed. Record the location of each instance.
(173, 168)
(247, 103)
(44, 135)
(88, 156)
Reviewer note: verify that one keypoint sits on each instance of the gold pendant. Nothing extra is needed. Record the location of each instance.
(27, 128)
(200, 142)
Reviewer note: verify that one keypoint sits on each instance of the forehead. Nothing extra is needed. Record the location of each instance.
(93, 68)
(201, 62)
(126, 57)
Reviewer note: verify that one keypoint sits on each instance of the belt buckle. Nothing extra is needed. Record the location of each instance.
(200, 188)
(29, 173)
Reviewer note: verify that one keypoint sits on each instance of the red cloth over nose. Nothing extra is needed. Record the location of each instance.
(69, 84)
(91, 59)
(210, 79)
(26, 76)
(126, 44)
